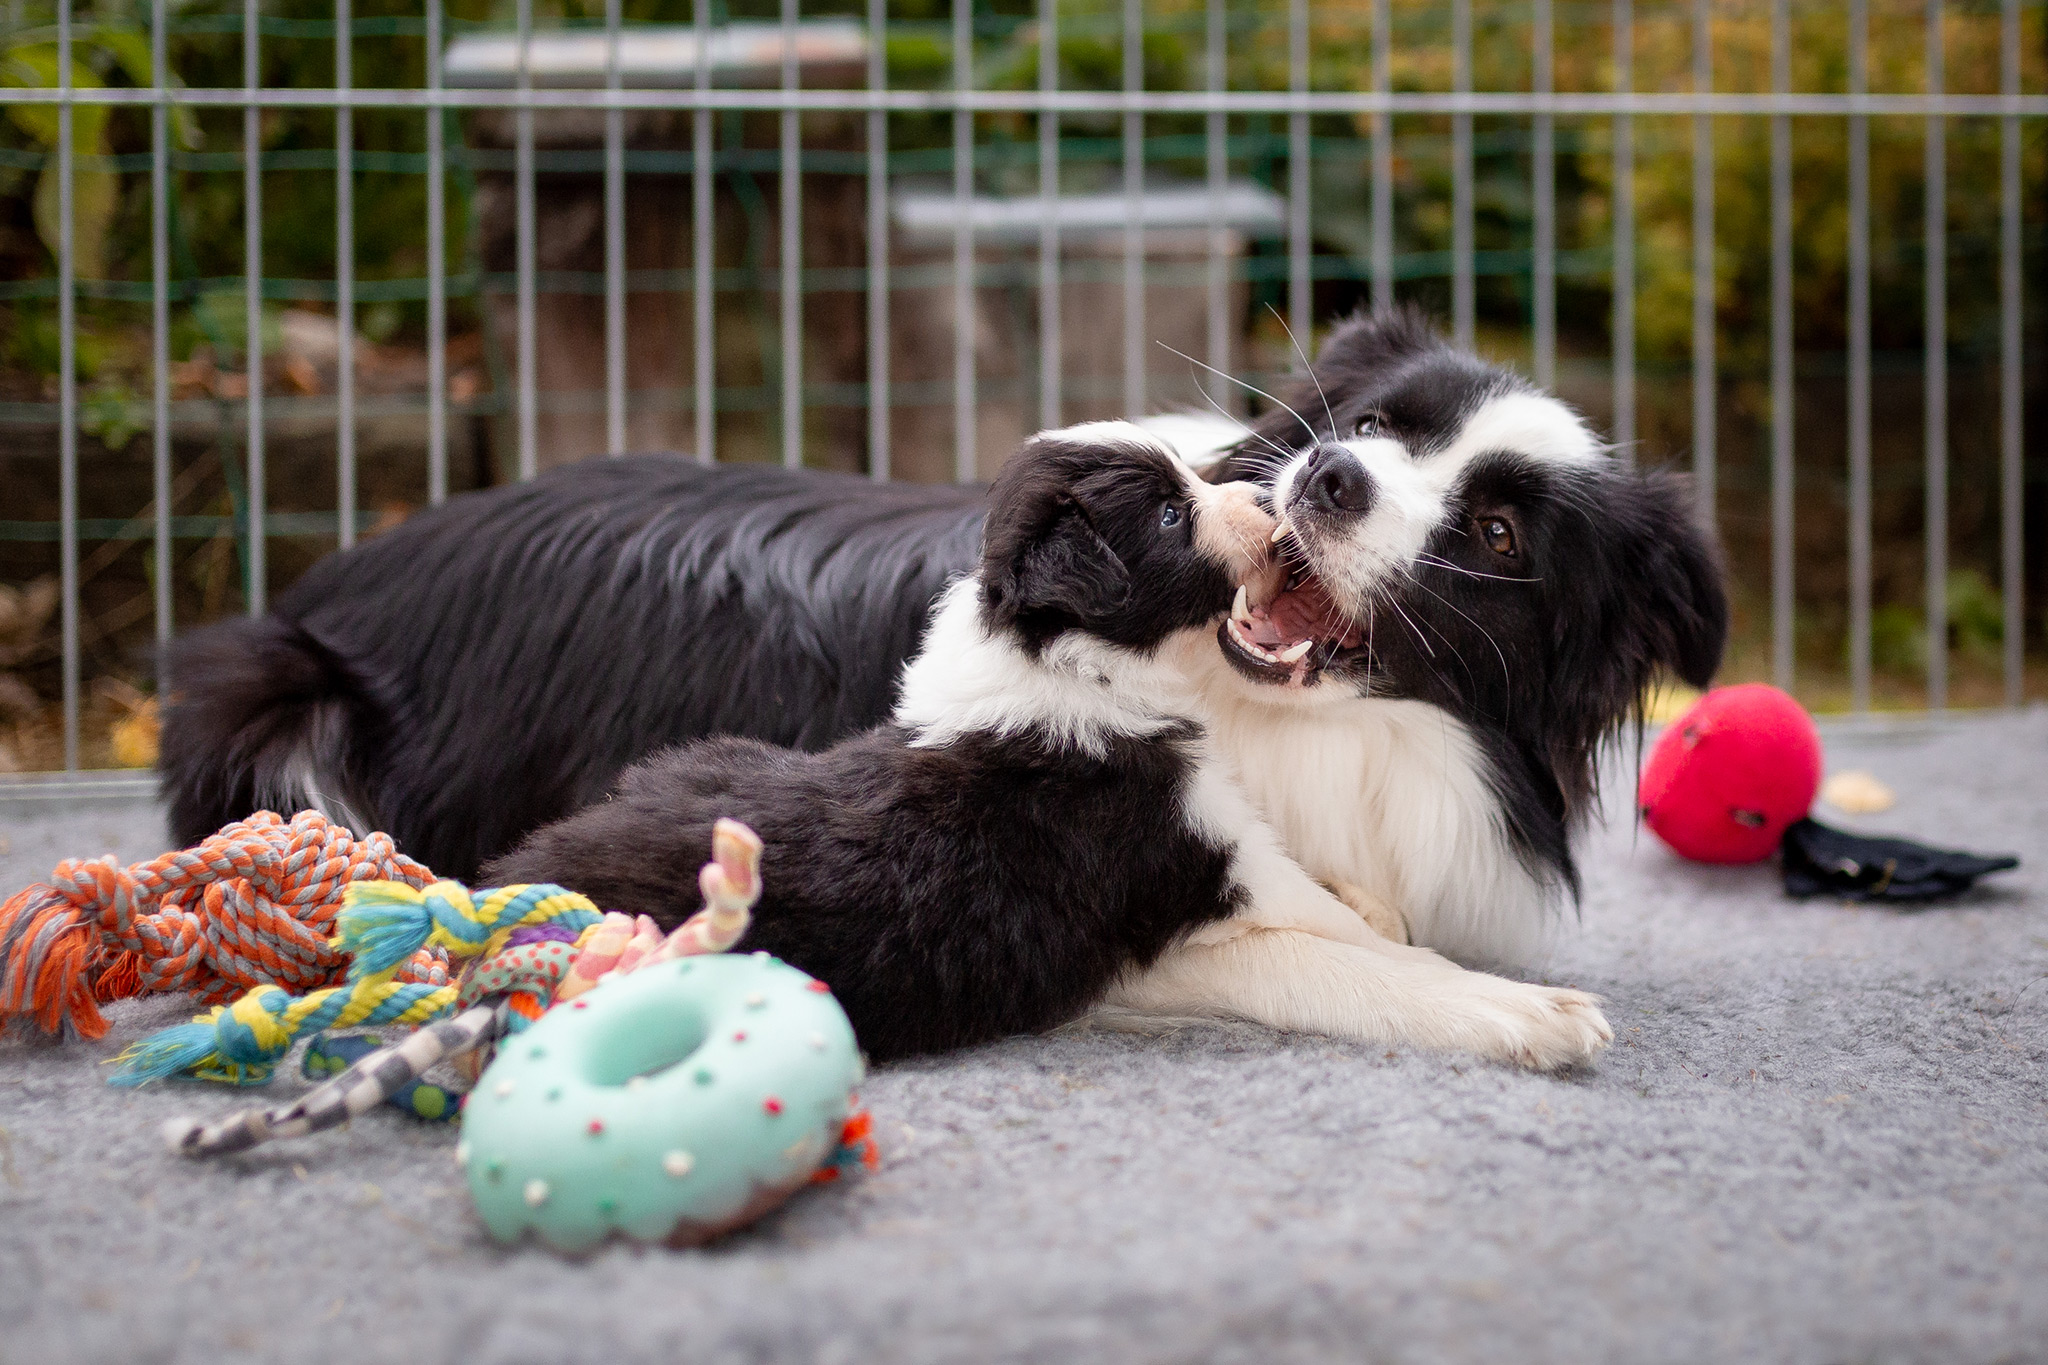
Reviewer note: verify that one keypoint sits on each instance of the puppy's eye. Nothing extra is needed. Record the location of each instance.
(1372, 424)
(1169, 515)
(1498, 535)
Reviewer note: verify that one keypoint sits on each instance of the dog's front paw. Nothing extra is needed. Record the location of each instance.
(1534, 1026)
(1547, 1029)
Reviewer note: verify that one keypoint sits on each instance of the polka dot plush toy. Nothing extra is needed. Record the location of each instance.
(670, 1105)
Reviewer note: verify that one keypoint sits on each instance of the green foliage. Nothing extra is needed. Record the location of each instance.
(1898, 639)
(221, 317)
(1976, 614)
(111, 414)
(1976, 626)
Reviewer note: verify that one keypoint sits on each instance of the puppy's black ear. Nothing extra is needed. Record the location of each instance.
(1066, 568)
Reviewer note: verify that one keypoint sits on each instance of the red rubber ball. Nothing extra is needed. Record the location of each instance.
(1725, 779)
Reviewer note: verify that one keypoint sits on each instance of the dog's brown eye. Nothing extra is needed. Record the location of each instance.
(1498, 535)
(1370, 424)
(1169, 515)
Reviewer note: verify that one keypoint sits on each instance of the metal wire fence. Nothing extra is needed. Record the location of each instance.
(630, 71)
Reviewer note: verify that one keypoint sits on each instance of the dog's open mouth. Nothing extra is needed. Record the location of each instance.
(1285, 629)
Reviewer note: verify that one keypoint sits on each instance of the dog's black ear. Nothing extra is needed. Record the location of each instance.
(1651, 596)
(1066, 568)
(1644, 593)
(1684, 614)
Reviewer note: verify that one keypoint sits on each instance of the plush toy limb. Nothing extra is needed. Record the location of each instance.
(731, 883)
(370, 1082)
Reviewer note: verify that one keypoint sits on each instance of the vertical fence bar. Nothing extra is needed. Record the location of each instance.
(1382, 158)
(1544, 172)
(67, 391)
(1781, 353)
(344, 279)
(160, 325)
(792, 195)
(1935, 369)
(964, 330)
(1300, 285)
(1214, 148)
(1462, 298)
(1859, 364)
(1705, 448)
(702, 300)
(1134, 212)
(437, 274)
(255, 566)
(2012, 561)
(1624, 267)
(614, 246)
(878, 245)
(1051, 355)
(522, 192)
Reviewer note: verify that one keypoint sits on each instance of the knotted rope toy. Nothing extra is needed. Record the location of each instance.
(253, 905)
(529, 947)
(381, 927)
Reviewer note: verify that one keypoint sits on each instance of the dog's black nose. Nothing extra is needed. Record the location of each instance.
(1336, 484)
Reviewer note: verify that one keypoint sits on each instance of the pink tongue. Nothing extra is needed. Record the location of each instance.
(1305, 613)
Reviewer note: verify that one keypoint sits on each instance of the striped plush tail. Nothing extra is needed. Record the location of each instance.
(361, 1088)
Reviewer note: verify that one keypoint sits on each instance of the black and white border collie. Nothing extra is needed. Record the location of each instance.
(1043, 819)
(1486, 593)
(1481, 595)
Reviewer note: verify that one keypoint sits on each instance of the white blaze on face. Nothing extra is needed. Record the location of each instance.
(1414, 490)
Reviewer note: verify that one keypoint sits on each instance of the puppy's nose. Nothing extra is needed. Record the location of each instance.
(1336, 484)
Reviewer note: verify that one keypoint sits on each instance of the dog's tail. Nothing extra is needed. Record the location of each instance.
(260, 716)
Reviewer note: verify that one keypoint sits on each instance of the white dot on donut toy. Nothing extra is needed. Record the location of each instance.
(678, 1163)
(536, 1192)
(817, 1042)
(462, 1154)
(756, 1000)
(504, 1090)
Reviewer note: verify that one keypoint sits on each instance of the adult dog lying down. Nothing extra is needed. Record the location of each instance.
(1044, 813)
(1480, 596)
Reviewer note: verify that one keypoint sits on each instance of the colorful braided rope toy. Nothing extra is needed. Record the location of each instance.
(253, 905)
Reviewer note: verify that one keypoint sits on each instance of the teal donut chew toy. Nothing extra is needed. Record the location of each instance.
(670, 1104)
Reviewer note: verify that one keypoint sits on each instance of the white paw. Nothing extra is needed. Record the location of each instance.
(1545, 1029)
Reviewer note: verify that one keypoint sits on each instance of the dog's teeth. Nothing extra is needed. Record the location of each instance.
(1282, 531)
(1296, 650)
(1240, 610)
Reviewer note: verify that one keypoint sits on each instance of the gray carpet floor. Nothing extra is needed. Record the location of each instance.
(1819, 1137)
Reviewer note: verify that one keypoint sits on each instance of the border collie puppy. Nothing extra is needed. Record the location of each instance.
(1041, 816)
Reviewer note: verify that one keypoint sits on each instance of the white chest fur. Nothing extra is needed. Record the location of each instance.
(1389, 796)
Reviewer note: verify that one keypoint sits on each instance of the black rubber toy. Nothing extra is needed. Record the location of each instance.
(1823, 861)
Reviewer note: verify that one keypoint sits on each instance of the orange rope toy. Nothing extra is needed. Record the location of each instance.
(252, 905)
